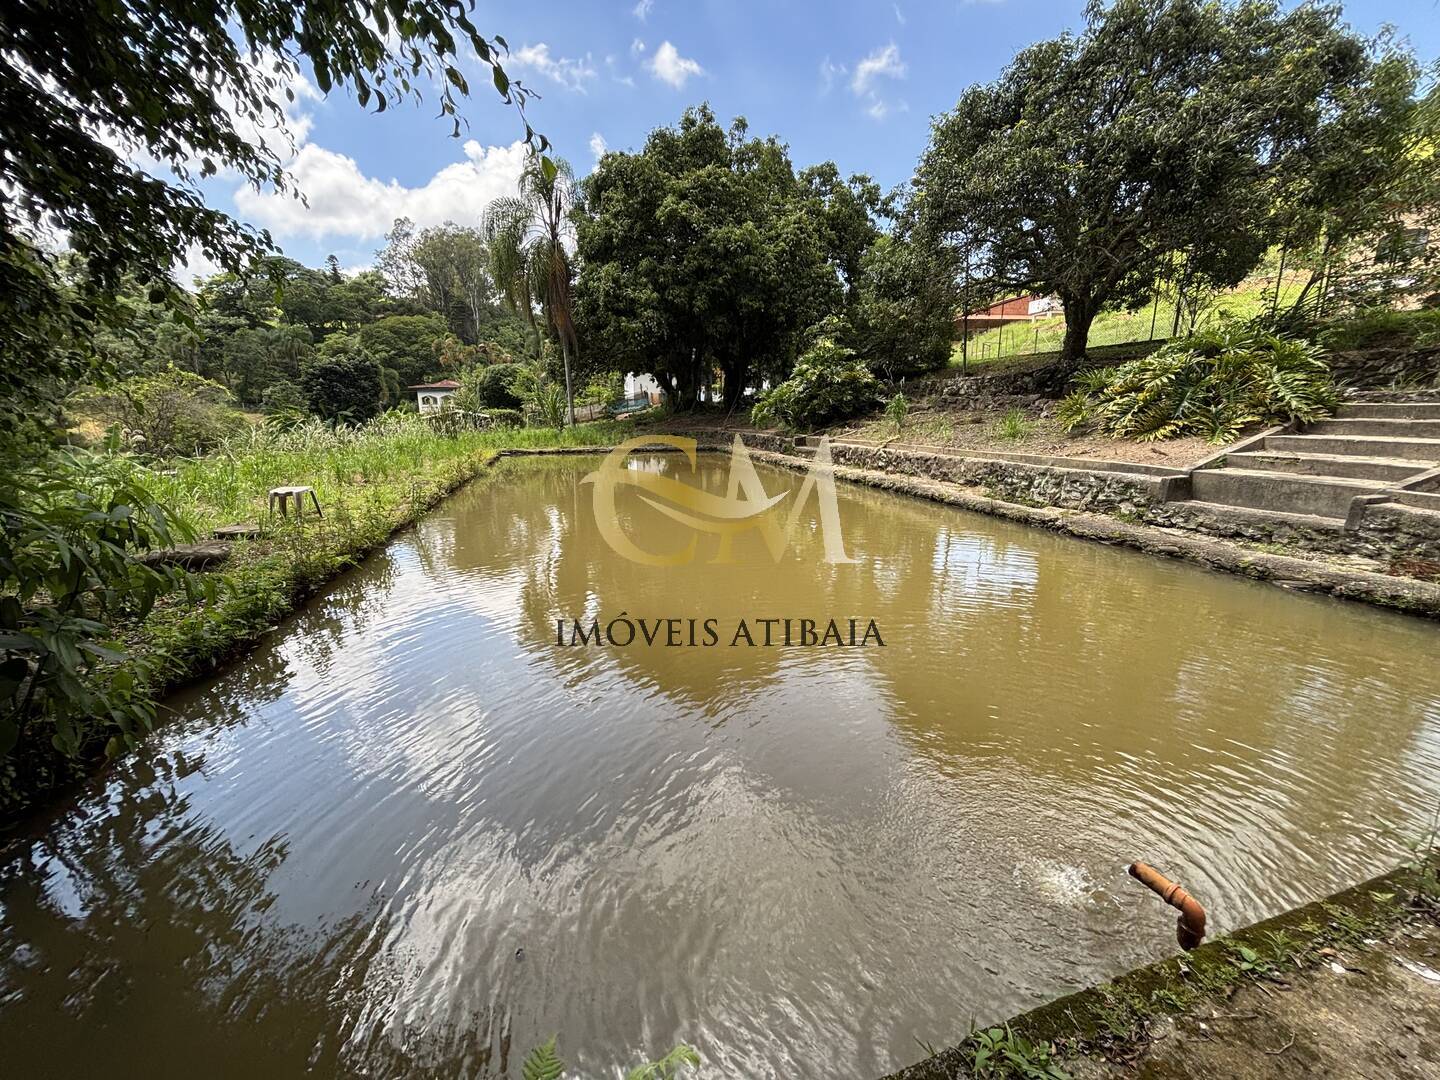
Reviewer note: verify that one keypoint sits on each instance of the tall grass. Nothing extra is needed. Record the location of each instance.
(370, 481)
(396, 458)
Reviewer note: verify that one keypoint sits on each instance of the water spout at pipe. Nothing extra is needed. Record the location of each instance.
(1190, 926)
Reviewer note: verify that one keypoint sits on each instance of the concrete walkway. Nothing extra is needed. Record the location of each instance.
(1345, 987)
(1369, 1012)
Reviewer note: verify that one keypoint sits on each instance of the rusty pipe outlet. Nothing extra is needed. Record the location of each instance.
(1190, 926)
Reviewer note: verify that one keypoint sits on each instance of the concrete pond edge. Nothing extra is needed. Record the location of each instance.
(1113, 1019)
(1409, 595)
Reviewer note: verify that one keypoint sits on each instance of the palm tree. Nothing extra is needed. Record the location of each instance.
(530, 237)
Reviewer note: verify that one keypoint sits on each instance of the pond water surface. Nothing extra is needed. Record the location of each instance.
(411, 835)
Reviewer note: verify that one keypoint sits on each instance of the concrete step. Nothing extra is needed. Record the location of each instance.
(1228, 513)
(1390, 410)
(1391, 427)
(1320, 496)
(1385, 470)
(1369, 446)
(1420, 500)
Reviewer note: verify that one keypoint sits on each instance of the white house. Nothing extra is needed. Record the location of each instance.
(431, 396)
(642, 385)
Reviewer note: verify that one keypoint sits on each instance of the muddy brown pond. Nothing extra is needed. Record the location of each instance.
(410, 835)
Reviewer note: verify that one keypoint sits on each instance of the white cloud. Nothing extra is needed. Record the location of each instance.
(642, 9)
(869, 76)
(669, 66)
(637, 47)
(597, 145)
(882, 63)
(344, 202)
(829, 72)
(195, 263)
(570, 73)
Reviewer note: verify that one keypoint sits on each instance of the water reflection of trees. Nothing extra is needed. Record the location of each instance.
(1057, 653)
(311, 637)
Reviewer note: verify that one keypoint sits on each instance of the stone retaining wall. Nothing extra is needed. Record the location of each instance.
(1391, 529)
(1013, 481)
(1022, 482)
(1414, 367)
(1384, 530)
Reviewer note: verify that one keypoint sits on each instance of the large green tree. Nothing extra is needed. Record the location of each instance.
(847, 212)
(406, 344)
(701, 253)
(446, 269)
(1168, 130)
(179, 84)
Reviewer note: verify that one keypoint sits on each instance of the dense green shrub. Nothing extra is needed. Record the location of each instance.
(491, 387)
(1210, 384)
(828, 384)
(169, 412)
(507, 418)
(1381, 328)
(70, 536)
(903, 321)
(345, 387)
(606, 388)
(542, 396)
(283, 397)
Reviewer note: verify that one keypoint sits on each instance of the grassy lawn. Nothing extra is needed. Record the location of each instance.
(1008, 343)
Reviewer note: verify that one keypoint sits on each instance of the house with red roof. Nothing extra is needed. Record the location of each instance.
(430, 397)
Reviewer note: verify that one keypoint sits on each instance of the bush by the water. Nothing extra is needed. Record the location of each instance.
(169, 412)
(1211, 384)
(828, 384)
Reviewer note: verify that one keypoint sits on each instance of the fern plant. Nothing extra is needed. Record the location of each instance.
(1211, 384)
(545, 1063)
(673, 1064)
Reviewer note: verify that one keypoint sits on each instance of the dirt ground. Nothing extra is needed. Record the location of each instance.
(1022, 430)
(1033, 431)
(1371, 1013)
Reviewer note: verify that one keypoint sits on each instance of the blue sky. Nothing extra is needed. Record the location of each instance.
(856, 83)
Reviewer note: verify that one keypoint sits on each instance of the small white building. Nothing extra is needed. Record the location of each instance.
(430, 397)
(641, 385)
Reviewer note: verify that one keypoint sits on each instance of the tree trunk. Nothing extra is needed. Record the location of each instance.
(1079, 314)
(734, 386)
(569, 391)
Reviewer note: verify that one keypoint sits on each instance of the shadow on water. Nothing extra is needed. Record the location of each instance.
(411, 835)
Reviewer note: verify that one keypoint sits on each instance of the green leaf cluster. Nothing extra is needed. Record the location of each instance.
(829, 383)
(1211, 384)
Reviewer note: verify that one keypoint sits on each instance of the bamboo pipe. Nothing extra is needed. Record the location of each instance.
(1190, 926)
